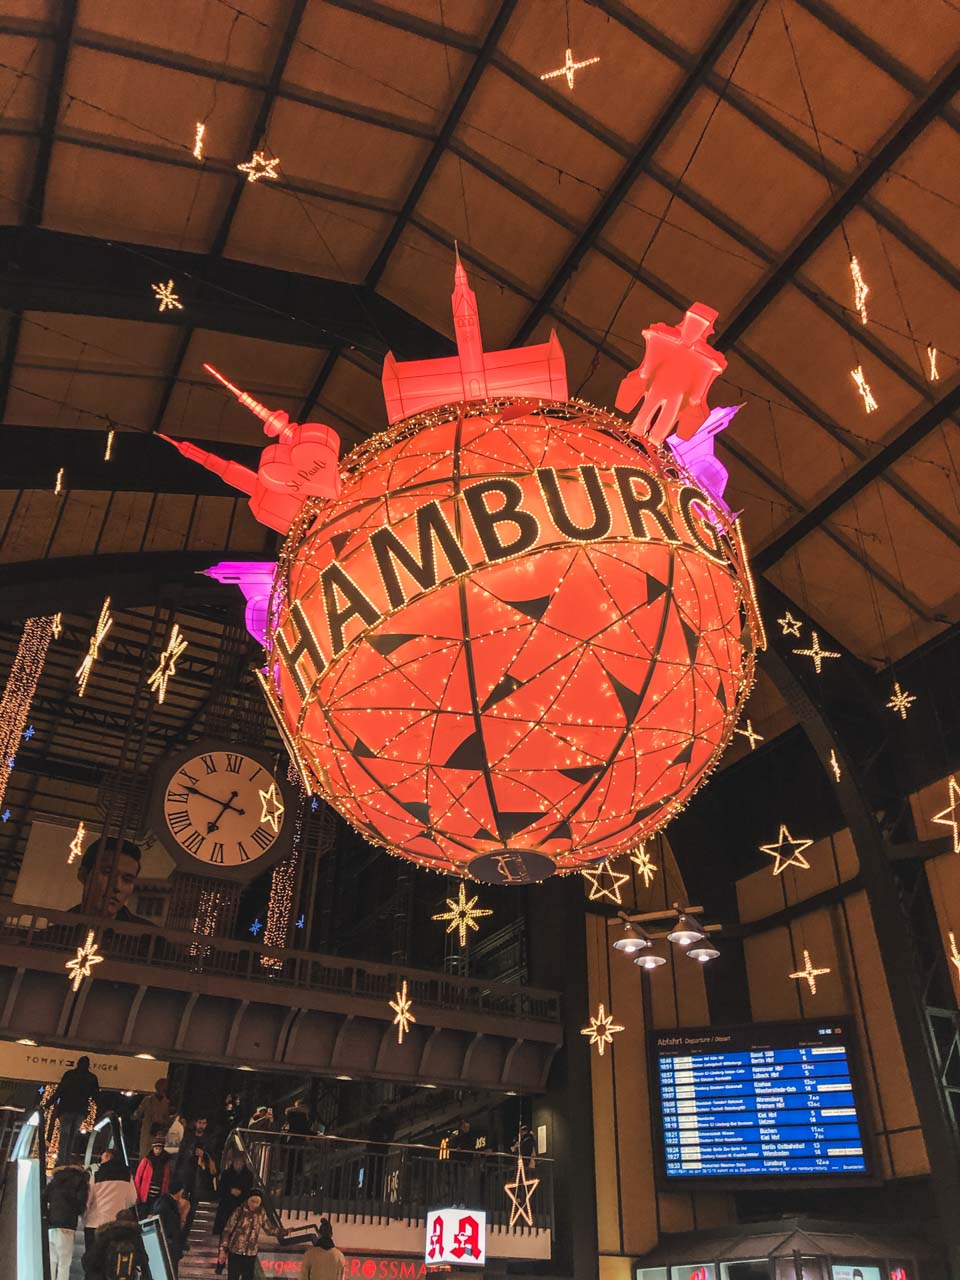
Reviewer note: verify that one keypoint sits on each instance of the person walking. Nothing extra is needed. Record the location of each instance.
(77, 1087)
(65, 1198)
(236, 1183)
(175, 1134)
(111, 1192)
(196, 1169)
(323, 1261)
(173, 1208)
(153, 1174)
(241, 1238)
(155, 1110)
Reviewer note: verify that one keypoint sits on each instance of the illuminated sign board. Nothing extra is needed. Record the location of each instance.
(456, 1237)
(774, 1100)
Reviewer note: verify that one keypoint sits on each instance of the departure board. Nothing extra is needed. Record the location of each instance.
(760, 1101)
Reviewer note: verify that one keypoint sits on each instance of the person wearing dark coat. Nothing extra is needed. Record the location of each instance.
(115, 1246)
(196, 1169)
(77, 1087)
(65, 1198)
(236, 1182)
(173, 1208)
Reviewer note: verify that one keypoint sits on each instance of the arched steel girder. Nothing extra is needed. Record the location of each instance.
(857, 796)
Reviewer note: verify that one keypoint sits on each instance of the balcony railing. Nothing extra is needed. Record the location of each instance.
(311, 1177)
(33, 927)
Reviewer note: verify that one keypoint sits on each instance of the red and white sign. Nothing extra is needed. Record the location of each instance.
(456, 1236)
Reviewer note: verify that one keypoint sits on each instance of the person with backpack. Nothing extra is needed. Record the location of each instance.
(64, 1198)
(241, 1238)
(117, 1251)
(111, 1191)
(323, 1261)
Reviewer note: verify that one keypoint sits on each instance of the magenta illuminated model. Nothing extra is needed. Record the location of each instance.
(514, 634)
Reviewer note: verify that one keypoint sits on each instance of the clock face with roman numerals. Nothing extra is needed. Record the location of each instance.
(223, 808)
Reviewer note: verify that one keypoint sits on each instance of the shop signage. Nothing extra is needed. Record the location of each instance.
(46, 1065)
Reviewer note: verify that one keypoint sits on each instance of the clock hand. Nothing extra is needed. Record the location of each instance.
(214, 825)
(225, 804)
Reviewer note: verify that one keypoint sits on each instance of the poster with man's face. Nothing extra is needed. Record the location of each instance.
(98, 881)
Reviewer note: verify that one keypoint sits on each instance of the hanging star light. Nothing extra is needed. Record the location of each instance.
(835, 764)
(301, 922)
(104, 623)
(860, 289)
(610, 891)
(76, 844)
(258, 166)
(56, 626)
(950, 816)
(198, 134)
(816, 653)
(272, 807)
(569, 68)
(256, 927)
(519, 1192)
(5, 816)
(954, 952)
(900, 700)
(645, 865)
(601, 1029)
(463, 915)
(751, 735)
(860, 378)
(402, 1007)
(795, 857)
(108, 449)
(29, 732)
(167, 297)
(167, 666)
(789, 625)
(809, 973)
(933, 373)
(81, 965)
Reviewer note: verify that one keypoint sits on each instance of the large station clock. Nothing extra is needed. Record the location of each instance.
(221, 809)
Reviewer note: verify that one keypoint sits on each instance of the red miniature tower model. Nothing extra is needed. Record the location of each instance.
(472, 374)
(302, 464)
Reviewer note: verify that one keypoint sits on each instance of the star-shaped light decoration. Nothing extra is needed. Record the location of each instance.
(954, 952)
(28, 732)
(835, 764)
(402, 1007)
(256, 927)
(301, 922)
(808, 973)
(56, 626)
(860, 289)
(863, 386)
(933, 373)
(950, 816)
(645, 865)
(167, 666)
(789, 625)
(258, 166)
(815, 652)
(900, 700)
(610, 891)
(569, 68)
(59, 482)
(601, 1029)
(166, 297)
(5, 816)
(81, 965)
(314, 804)
(794, 858)
(463, 915)
(108, 447)
(76, 844)
(104, 623)
(199, 130)
(751, 735)
(272, 807)
(519, 1192)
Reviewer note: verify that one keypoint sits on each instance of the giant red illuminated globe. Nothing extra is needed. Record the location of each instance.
(516, 642)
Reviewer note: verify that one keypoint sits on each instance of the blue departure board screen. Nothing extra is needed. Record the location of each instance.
(760, 1101)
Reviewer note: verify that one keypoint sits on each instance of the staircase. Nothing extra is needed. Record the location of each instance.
(200, 1259)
